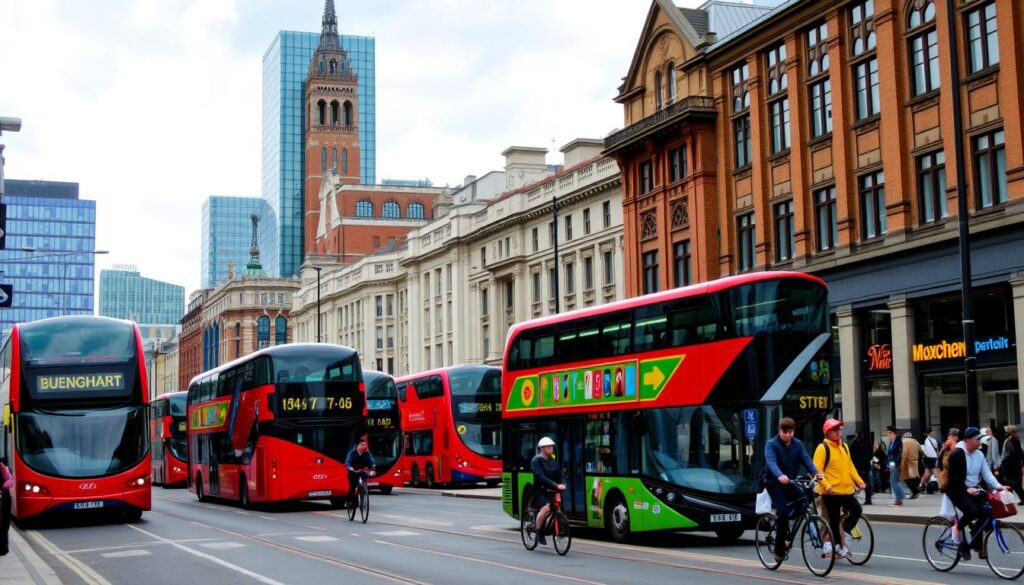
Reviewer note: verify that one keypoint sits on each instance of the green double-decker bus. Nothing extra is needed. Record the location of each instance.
(660, 406)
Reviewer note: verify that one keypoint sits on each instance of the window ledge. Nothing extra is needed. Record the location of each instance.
(820, 142)
(867, 124)
(983, 77)
(743, 171)
(923, 101)
(780, 157)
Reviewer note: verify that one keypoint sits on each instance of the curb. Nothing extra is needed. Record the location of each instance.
(39, 571)
(471, 496)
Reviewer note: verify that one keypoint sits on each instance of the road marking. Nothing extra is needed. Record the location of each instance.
(137, 544)
(242, 512)
(423, 521)
(222, 545)
(126, 553)
(267, 518)
(317, 538)
(211, 558)
(398, 533)
(89, 576)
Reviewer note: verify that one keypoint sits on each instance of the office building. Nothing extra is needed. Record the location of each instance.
(227, 230)
(155, 305)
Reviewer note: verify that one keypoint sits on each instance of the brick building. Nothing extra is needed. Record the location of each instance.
(814, 136)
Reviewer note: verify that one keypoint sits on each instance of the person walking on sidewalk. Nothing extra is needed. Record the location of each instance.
(860, 449)
(6, 483)
(990, 447)
(834, 459)
(894, 455)
(1011, 461)
(930, 450)
(909, 472)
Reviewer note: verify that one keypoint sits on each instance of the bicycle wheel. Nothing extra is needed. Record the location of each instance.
(764, 540)
(529, 536)
(561, 534)
(364, 503)
(861, 542)
(1005, 551)
(812, 541)
(351, 506)
(937, 541)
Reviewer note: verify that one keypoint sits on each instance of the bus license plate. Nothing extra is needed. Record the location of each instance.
(319, 493)
(725, 517)
(87, 505)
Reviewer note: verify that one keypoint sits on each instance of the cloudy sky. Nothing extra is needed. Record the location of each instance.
(153, 105)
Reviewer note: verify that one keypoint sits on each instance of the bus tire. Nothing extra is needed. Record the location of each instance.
(493, 483)
(415, 480)
(133, 515)
(430, 476)
(385, 489)
(729, 534)
(199, 488)
(243, 493)
(616, 518)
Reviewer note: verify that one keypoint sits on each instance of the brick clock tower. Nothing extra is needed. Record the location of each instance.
(332, 114)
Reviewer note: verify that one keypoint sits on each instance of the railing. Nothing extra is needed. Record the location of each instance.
(695, 104)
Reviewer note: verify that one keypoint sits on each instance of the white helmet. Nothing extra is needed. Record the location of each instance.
(545, 442)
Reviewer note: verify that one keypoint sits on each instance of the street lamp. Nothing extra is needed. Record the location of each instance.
(317, 268)
(554, 237)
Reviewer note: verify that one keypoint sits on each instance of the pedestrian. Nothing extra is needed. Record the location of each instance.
(990, 447)
(909, 473)
(835, 460)
(879, 471)
(860, 449)
(1011, 461)
(930, 450)
(6, 483)
(893, 457)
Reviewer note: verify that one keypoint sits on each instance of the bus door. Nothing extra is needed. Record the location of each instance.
(214, 473)
(570, 452)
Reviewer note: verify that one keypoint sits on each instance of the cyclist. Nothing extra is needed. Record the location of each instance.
(547, 475)
(783, 455)
(832, 457)
(360, 464)
(967, 466)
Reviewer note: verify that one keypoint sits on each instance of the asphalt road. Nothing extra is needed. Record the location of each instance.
(418, 536)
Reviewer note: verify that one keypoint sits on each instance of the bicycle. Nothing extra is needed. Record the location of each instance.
(860, 541)
(556, 525)
(812, 528)
(362, 503)
(1004, 554)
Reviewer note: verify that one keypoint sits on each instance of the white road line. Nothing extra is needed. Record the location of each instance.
(126, 553)
(88, 576)
(211, 558)
(398, 533)
(222, 545)
(316, 538)
(136, 545)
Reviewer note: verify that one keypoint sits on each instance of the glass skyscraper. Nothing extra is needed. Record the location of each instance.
(51, 235)
(227, 235)
(126, 294)
(285, 66)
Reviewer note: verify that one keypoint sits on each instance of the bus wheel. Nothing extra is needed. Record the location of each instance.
(199, 488)
(385, 489)
(415, 482)
(430, 476)
(729, 533)
(133, 515)
(493, 483)
(243, 493)
(616, 519)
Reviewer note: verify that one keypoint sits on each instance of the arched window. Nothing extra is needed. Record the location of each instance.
(348, 114)
(364, 209)
(924, 47)
(238, 326)
(323, 65)
(216, 345)
(323, 160)
(344, 161)
(659, 91)
(414, 211)
(263, 332)
(334, 66)
(321, 112)
(334, 113)
(391, 210)
(670, 69)
(334, 159)
(280, 331)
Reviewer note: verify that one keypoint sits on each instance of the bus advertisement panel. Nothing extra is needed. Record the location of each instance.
(167, 436)
(73, 391)
(384, 431)
(276, 425)
(451, 418)
(661, 405)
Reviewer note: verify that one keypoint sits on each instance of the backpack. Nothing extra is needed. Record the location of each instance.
(944, 468)
(828, 454)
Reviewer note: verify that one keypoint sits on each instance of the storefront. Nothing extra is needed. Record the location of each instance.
(876, 365)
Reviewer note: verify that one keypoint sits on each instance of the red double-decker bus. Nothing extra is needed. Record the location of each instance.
(451, 418)
(276, 425)
(167, 435)
(384, 431)
(73, 391)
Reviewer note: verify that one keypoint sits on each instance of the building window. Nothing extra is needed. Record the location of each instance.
(321, 112)
(334, 159)
(670, 74)
(607, 212)
(280, 331)
(819, 83)
(872, 205)
(364, 208)
(536, 287)
(380, 338)
(990, 168)
(483, 257)
(391, 335)
(378, 302)
(659, 91)
(924, 48)
(510, 291)
(553, 282)
(741, 134)
(484, 304)
(609, 272)
(780, 125)
(344, 161)
(391, 210)
(680, 213)
(740, 89)
(486, 335)
(784, 230)
(323, 160)
(390, 302)
(588, 273)
(649, 224)
(646, 177)
(982, 37)
(238, 340)
(821, 107)
(414, 211)
(862, 51)
(746, 236)
(551, 233)
(586, 222)
(931, 186)
(825, 218)
(570, 278)
(348, 114)
(650, 262)
(263, 332)
(677, 163)
(568, 228)
(778, 105)
(681, 259)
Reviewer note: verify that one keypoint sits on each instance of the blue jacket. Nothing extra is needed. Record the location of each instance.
(895, 451)
(783, 460)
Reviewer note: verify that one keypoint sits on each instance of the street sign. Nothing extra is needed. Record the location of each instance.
(750, 422)
(3, 225)
(6, 295)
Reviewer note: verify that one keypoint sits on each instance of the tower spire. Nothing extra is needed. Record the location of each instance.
(254, 269)
(329, 32)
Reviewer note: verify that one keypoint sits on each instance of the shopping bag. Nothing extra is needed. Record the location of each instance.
(1008, 497)
(764, 502)
(999, 509)
(947, 510)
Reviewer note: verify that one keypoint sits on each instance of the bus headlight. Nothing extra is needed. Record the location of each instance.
(138, 481)
(671, 497)
(35, 488)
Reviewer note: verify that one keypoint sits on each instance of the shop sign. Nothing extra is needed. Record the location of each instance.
(945, 350)
(880, 357)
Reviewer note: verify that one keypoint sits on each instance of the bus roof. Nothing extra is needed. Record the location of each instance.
(443, 370)
(170, 395)
(269, 351)
(73, 338)
(693, 290)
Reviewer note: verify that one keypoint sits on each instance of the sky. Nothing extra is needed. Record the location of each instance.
(154, 105)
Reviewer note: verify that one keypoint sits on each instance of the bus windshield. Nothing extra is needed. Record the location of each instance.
(89, 340)
(779, 306)
(178, 404)
(318, 382)
(476, 408)
(83, 443)
(316, 364)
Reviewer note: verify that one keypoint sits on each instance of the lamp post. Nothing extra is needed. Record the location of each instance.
(317, 268)
(554, 239)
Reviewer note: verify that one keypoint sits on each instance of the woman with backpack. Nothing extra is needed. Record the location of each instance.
(1011, 461)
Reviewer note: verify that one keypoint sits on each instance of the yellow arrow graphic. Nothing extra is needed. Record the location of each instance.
(654, 378)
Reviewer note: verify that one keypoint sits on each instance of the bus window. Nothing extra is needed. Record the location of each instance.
(401, 388)
(615, 335)
(650, 328)
(692, 322)
(421, 443)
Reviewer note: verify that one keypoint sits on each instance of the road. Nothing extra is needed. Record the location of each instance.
(418, 536)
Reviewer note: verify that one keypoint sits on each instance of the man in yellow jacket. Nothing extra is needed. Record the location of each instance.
(832, 457)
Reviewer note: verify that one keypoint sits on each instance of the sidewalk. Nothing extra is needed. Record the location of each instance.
(22, 566)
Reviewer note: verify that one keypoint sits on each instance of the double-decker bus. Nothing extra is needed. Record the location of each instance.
(73, 391)
(660, 406)
(451, 418)
(276, 425)
(384, 431)
(167, 436)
